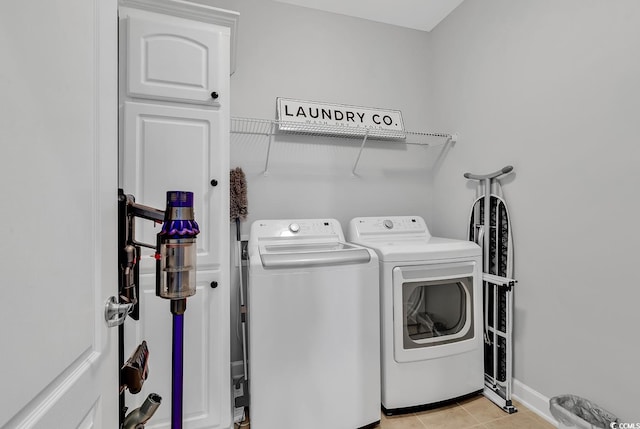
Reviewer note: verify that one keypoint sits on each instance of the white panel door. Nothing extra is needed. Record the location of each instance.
(58, 252)
(207, 393)
(175, 148)
(175, 136)
(173, 58)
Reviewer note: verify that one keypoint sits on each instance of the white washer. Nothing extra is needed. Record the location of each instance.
(431, 312)
(313, 319)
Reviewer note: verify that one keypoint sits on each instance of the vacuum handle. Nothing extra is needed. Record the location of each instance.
(505, 170)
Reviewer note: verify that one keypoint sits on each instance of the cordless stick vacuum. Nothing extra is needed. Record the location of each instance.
(176, 280)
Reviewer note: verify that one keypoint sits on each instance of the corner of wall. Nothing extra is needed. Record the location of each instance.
(533, 400)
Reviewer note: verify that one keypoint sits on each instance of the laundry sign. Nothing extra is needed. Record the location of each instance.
(338, 119)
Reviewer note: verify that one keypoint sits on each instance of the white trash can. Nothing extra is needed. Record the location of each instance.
(573, 411)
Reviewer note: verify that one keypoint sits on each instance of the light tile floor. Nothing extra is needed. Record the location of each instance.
(476, 412)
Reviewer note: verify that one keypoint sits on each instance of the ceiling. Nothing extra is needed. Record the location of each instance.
(416, 14)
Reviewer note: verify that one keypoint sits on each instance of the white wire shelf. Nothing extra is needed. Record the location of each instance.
(271, 128)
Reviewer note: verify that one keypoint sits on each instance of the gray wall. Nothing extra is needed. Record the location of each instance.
(294, 52)
(548, 86)
(552, 87)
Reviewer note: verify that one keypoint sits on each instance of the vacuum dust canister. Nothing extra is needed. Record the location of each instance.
(176, 248)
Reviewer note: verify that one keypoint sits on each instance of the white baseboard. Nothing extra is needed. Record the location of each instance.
(533, 400)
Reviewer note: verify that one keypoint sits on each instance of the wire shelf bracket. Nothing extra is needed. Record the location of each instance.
(271, 128)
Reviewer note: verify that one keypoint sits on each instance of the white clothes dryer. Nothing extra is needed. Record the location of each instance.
(313, 319)
(431, 312)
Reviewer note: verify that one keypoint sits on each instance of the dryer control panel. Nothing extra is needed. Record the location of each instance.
(367, 226)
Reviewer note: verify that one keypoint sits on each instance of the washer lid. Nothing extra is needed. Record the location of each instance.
(296, 255)
(297, 243)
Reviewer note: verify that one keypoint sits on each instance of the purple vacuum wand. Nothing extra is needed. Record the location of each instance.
(176, 280)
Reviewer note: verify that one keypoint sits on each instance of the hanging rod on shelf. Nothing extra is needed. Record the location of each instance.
(269, 128)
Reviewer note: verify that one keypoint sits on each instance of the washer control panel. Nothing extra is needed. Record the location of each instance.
(297, 228)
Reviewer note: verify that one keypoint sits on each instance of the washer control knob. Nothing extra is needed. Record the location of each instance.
(388, 224)
(294, 227)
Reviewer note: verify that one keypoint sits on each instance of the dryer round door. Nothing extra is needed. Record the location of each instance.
(433, 310)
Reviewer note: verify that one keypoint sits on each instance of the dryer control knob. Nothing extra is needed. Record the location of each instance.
(388, 224)
(294, 227)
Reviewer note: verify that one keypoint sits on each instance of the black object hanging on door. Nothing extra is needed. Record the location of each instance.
(134, 371)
